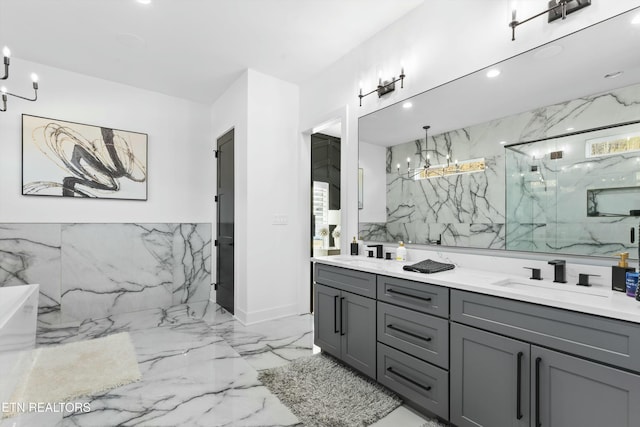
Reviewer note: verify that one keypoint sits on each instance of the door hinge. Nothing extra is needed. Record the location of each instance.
(215, 152)
(215, 198)
(215, 243)
(215, 286)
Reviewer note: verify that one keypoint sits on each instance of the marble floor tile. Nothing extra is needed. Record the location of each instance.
(199, 368)
(268, 344)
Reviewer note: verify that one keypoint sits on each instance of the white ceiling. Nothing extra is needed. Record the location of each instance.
(566, 69)
(192, 48)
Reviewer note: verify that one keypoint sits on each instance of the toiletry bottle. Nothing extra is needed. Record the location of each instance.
(401, 252)
(619, 273)
(632, 284)
(354, 247)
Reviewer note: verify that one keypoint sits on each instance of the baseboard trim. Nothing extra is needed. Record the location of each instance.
(259, 316)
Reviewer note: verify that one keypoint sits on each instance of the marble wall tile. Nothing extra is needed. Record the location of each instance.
(192, 263)
(490, 235)
(96, 270)
(115, 268)
(30, 253)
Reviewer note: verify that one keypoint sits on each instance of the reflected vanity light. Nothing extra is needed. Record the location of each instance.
(457, 168)
(384, 87)
(429, 171)
(558, 9)
(34, 78)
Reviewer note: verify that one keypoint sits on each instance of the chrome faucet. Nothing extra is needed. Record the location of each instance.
(559, 270)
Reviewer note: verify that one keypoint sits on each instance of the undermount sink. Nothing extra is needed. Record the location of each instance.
(534, 285)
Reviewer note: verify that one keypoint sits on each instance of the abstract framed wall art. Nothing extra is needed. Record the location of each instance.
(68, 159)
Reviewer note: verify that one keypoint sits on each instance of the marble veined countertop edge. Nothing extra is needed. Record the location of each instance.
(595, 300)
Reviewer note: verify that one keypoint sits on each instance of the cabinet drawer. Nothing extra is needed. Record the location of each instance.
(421, 335)
(425, 385)
(418, 296)
(610, 341)
(353, 281)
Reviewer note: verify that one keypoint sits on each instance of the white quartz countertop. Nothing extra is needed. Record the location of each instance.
(597, 300)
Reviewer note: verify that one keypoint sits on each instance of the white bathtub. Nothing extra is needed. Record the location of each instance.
(18, 316)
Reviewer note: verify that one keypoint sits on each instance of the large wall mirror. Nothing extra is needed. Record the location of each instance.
(543, 157)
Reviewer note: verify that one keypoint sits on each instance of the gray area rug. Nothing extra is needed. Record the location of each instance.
(322, 392)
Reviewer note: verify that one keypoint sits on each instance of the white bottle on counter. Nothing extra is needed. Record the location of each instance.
(401, 252)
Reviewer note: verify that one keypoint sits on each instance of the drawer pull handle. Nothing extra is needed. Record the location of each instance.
(411, 334)
(538, 360)
(341, 317)
(335, 314)
(519, 385)
(392, 291)
(404, 377)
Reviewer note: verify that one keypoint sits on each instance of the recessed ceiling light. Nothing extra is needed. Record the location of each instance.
(503, 142)
(144, 1)
(493, 73)
(636, 20)
(570, 129)
(407, 105)
(613, 75)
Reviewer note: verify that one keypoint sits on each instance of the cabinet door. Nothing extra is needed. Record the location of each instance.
(359, 332)
(568, 391)
(489, 379)
(326, 319)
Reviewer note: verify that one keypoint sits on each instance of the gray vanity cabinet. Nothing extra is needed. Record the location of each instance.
(489, 379)
(568, 391)
(358, 334)
(345, 323)
(326, 318)
(512, 380)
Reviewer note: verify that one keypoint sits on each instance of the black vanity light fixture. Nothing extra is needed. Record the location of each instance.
(385, 87)
(557, 9)
(3, 90)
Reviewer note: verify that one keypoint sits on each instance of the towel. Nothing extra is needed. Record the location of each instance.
(429, 266)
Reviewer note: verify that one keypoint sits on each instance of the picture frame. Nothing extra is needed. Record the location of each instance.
(68, 159)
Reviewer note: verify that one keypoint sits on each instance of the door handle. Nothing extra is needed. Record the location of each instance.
(538, 361)
(519, 385)
(341, 316)
(392, 291)
(335, 314)
(417, 384)
(411, 334)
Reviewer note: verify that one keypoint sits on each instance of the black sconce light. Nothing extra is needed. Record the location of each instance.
(558, 9)
(385, 87)
(3, 90)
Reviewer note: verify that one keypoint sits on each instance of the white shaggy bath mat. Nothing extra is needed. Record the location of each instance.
(66, 372)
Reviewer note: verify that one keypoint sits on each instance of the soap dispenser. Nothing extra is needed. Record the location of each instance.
(401, 252)
(619, 273)
(354, 247)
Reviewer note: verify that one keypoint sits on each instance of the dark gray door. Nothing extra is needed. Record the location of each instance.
(225, 225)
(575, 392)
(326, 319)
(489, 379)
(359, 332)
